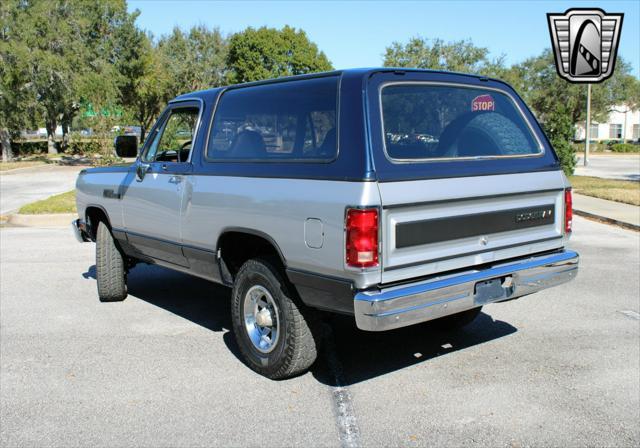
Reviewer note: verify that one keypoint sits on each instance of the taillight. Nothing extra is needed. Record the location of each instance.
(568, 210)
(362, 237)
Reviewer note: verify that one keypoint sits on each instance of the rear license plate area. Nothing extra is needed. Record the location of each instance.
(488, 291)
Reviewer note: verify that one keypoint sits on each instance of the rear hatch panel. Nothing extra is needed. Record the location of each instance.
(439, 225)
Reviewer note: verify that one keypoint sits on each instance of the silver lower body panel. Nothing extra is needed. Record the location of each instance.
(404, 305)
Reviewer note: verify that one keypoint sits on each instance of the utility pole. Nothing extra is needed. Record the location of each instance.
(588, 128)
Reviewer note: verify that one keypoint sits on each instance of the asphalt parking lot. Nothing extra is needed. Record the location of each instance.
(559, 368)
(610, 166)
(24, 185)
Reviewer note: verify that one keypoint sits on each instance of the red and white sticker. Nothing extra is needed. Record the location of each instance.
(483, 103)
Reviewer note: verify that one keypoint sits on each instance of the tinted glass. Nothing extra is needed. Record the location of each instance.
(172, 142)
(430, 122)
(290, 121)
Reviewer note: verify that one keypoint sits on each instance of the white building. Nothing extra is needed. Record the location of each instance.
(622, 124)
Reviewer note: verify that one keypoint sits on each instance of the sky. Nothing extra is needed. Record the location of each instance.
(356, 33)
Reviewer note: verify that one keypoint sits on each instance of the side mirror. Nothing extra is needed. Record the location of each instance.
(126, 146)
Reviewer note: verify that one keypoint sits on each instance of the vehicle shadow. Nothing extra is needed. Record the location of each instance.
(200, 301)
(360, 355)
(349, 355)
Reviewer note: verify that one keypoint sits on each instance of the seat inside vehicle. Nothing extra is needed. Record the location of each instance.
(248, 144)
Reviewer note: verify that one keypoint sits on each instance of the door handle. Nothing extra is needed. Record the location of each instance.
(175, 179)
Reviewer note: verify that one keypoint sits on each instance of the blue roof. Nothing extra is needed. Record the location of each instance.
(363, 72)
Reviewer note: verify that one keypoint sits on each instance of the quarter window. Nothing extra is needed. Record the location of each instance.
(173, 139)
(289, 121)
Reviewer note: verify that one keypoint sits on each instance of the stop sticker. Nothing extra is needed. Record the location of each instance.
(483, 103)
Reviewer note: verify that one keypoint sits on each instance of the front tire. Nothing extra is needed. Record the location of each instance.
(275, 333)
(110, 267)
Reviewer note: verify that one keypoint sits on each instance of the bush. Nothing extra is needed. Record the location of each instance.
(86, 147)
(566, 154)
(28, 148)
(625, 147)
(559, 130)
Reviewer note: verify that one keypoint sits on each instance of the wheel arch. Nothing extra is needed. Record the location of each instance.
(94, 214)
(236, 245)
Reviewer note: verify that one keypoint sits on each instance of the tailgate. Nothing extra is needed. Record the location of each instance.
(438, 225)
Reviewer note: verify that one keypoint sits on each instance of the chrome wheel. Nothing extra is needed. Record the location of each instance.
(261, 319)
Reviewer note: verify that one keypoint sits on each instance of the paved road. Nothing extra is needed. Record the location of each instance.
(560, 368)
(611, 167)
(22, 186)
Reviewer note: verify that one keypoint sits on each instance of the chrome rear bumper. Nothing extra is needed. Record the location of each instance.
(405, 305)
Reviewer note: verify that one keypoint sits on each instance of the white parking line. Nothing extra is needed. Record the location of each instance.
(348, 430)
(632, 314)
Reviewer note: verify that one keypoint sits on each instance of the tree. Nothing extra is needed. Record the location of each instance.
(559, 129)
(17, 98)
(151, 90)
(458, 56)
(194, 60)
(71, 57)
(263, 53)
(544, 91)
(559, 104)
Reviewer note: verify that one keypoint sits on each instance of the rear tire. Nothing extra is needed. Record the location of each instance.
(110, 267)
(275, 333)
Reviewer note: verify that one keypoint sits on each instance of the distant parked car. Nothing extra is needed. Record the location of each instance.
(42, 132)
(127, 130)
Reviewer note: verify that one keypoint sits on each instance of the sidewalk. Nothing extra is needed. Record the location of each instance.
(615, 212)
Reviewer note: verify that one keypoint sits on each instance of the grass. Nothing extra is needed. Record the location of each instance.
(6, 166)
(614, 190)
(59, 203)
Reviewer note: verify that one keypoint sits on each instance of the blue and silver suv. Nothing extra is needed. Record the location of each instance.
(393, 196)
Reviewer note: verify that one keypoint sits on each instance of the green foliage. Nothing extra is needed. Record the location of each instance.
(65, 54)
(625, 147)
(458, 56)
(263, 53)
(58, 56)
(29, 148)
(537, 81)
(86, 146)
(194, 60)
(559, 129)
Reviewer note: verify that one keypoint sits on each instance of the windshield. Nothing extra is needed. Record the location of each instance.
(425, 121)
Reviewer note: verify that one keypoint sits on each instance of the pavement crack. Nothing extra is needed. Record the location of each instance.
(345, 416)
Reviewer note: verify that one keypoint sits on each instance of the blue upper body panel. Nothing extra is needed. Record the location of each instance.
(360, 136)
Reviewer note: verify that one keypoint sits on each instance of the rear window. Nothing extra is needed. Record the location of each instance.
(422, 121)
(290, 121)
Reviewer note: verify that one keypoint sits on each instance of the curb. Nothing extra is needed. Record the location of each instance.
(13, 170)
(626, 225)
(42, 220)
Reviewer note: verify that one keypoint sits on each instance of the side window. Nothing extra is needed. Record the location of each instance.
(290, 121)
(172, 141)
